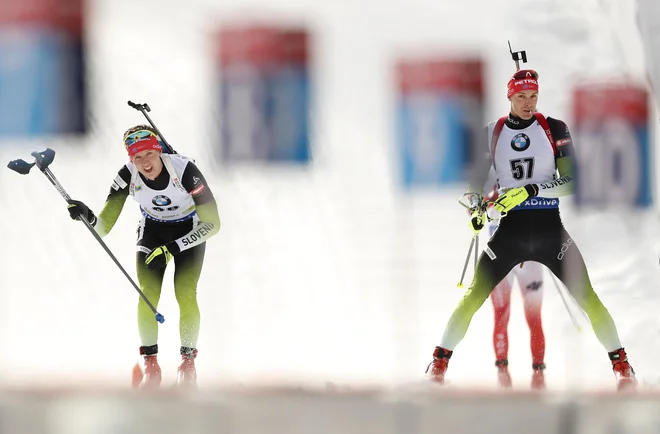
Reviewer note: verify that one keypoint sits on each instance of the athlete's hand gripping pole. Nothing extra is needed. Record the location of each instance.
(42, 160)
(477, 208)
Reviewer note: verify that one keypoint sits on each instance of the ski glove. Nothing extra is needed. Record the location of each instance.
(160, 256)
(514, 197)
(77, 209)
(477, 220)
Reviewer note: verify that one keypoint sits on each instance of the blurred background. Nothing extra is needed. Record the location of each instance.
(337, 138)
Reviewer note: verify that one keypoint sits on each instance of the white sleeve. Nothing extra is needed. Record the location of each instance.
(198, 235)
(491, 180)
(491, 177)
(559, 187)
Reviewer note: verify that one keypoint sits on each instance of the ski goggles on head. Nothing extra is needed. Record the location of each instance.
(141, 140)
(526, 73)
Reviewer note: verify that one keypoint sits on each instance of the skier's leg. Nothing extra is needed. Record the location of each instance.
(188, 267)
(493, 265)
(489, 272)
(562, 256)
(501, 299)
(530, 279)
(566, 262)
(150, 283)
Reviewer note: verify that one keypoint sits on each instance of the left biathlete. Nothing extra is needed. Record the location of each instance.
(179, 214)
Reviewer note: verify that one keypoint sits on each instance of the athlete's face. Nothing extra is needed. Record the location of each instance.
(523, 103)
(148, 163)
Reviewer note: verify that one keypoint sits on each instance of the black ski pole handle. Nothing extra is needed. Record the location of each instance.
(139, 107)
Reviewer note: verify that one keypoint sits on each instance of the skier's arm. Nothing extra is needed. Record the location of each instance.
(491, 181)
(205, 205)
(561, 186)
(114, 203)
(564, 159)
(482, 175)
(481, 167)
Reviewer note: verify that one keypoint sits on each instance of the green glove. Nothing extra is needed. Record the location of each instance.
(514, 197)
(159, 257)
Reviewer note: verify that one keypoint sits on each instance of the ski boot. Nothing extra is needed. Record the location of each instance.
(186, 373)
(437, 368)
(151, 377)
(503, 376)
(538, 379)
(623, 372)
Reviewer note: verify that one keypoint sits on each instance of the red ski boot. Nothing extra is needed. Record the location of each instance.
(151, 377)
(186, 373)
(623, 372)
(437, 368)
(538, 379)
(503, 376)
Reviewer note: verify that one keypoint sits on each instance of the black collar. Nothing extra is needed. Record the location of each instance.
(516, 123)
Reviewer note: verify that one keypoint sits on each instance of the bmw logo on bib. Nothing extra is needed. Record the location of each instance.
(520, 142)
(161, 200)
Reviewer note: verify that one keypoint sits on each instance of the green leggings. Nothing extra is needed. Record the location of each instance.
(187, 269)
(532, 236)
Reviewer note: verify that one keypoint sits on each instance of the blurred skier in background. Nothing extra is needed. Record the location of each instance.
(529, 276)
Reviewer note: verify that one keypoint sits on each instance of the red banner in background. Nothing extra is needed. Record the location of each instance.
(265, 92)
(461, 75)
(42, 67)
(602, 101)
(262, 46)
(613, 144)
(61, 14)
(439, 118)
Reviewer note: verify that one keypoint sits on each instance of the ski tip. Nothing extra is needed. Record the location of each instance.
(160, 318)
(460, 285)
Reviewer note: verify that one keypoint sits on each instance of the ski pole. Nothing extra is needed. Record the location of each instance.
(476, 251)
(42, 161)
(563, 298)
(467, 260)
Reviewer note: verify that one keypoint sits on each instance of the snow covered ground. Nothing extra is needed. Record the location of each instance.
(325, 274)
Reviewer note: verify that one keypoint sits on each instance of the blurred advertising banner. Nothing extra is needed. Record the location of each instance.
(613, 145)
(440, 119)
(648, 25)
(264, 94)
(42, 67)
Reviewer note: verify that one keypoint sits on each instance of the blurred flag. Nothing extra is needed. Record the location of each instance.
(440, 119)
(613, 145)
(264, 94)
(42, 83)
